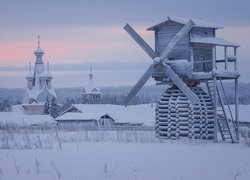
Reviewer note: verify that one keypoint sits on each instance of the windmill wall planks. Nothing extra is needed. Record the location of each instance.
(165, 34)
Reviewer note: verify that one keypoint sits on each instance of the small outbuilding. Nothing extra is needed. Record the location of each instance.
(107, 115)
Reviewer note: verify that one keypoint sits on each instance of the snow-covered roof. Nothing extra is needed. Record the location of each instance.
(91, 88)
(21, 119)
(143, 113)
(79, 116)
(35, 92)
(214, 41)
(181, 20)
(131, 114)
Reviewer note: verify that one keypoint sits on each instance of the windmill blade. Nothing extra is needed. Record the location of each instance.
(182, 33)
(139, 84)
(140, 41)
(181, 85)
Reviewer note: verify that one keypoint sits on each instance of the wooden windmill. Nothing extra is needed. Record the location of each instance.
(185, 57)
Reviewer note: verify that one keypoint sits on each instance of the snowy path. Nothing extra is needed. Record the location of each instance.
(106, 160)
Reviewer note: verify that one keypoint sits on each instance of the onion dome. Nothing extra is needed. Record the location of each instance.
(29, 76)
(38, 51)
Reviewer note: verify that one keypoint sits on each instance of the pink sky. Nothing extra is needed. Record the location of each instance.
(93, 44)
(76, 45)
(73, 45)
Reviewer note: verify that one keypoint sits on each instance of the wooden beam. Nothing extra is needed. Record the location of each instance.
(140, 41)
(139, 84)
(223, 60)
(237, 109)
(214, 57)
(235, 63)
(191, 51)
(215, 109)
(226, 59)
(181, 85)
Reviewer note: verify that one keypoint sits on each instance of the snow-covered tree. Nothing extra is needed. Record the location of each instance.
(46, 109)
(54, 108)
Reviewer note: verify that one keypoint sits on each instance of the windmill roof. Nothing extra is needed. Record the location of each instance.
(214, 41)
(181, 20)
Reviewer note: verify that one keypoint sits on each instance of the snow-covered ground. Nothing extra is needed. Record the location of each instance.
(41, 154)
(20, 119)
(146, 161)
(93, 155)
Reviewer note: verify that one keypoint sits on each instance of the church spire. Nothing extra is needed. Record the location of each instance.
(90, 73)
(38, 38)
(38, 52)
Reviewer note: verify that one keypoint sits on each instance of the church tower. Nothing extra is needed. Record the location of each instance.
(91, 94)
(38, 87)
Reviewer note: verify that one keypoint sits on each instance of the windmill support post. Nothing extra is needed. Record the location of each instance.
(237, 109)
(215, 110)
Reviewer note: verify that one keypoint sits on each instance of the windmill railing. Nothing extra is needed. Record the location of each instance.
(203, 61)
(203, 66)
(229, 58)
(223, 60)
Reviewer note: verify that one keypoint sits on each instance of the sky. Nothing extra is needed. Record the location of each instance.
(78, 33)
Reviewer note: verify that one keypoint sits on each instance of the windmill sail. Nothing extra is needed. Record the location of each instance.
(162, 60)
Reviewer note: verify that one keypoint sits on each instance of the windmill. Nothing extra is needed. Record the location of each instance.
(185, 57)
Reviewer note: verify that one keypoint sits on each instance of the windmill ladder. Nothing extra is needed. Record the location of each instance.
(226, 125)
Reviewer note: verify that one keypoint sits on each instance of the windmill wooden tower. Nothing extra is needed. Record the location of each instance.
(185, 57)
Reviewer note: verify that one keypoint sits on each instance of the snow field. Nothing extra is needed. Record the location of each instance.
(56, 154)
(109, 160)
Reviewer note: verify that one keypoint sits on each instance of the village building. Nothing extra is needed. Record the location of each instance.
(91, 94)
(107, 115)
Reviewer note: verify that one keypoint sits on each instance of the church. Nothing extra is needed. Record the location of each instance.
(91, 94)
(38, 88)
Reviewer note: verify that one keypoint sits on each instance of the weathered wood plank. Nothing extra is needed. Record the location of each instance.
(183, 32)
(140, 41)
(226, 57)
(181, 85)
(139, 84)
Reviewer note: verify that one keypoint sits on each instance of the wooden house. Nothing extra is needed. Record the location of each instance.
(106, 116)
